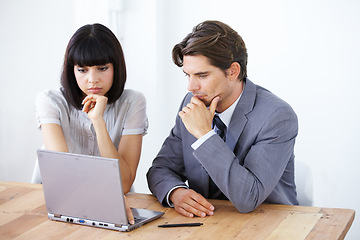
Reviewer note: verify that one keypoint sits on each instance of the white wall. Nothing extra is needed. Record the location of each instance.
(34, 35)
(306, 52)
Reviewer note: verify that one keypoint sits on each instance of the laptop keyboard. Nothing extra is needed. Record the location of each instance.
(138, 219)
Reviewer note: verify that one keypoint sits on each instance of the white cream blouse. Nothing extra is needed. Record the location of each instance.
(126, 116)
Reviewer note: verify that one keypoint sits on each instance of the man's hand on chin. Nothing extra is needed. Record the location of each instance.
(197, 118)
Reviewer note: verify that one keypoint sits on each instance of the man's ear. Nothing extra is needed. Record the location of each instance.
(234, 70)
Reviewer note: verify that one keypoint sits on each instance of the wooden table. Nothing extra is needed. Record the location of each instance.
(23, 216)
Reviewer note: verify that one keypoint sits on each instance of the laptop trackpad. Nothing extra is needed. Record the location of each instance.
(142, 214)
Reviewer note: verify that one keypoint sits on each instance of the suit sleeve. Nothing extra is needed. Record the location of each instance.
(248, 180)
(168, 170)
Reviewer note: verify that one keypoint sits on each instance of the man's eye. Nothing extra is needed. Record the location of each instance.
(202, 76)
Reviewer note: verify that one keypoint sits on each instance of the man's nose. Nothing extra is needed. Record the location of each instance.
(193, 84)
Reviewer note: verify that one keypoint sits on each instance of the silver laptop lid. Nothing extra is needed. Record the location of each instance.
(82, 186)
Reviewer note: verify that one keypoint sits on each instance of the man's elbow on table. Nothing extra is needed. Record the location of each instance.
(246, 205)
(243, 208)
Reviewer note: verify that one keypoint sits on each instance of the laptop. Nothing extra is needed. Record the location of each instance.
(87, 190)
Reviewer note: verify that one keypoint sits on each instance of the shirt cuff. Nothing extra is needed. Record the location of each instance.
(171, 190)
(201, 140)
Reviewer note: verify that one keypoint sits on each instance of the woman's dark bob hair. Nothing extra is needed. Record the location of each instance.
(92, 45)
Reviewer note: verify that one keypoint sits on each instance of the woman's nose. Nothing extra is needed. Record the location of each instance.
(93, 77)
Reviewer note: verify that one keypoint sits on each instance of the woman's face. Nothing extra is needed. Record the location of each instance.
(96, 79)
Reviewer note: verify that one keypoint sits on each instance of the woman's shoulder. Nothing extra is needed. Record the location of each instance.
(53, 96)
(130, 95)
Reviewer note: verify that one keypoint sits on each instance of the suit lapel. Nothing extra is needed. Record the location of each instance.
(239, 119)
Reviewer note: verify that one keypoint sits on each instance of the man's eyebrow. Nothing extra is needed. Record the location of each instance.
(202, 73)
(198, 73)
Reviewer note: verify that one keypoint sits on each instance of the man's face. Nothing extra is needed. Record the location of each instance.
(205, 80)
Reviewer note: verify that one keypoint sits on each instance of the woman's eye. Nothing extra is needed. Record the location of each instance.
(103, 68)
(82, 70)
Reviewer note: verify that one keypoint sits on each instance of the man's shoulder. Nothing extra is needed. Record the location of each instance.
(264, 102)
(268, 99)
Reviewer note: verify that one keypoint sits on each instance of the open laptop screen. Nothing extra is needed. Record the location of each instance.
(82, 186)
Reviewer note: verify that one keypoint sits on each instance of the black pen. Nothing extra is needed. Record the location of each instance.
(181, 225)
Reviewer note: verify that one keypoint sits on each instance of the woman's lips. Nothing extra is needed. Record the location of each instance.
(94, 90)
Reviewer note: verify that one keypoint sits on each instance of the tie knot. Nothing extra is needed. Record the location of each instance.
(221, 127)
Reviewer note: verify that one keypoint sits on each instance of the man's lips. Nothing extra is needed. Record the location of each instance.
(199, 96)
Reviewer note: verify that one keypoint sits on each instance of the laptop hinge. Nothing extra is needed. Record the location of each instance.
(122, 226)
(52, 215)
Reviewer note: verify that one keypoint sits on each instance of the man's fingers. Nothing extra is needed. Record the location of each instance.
(190, 203)
(204, 204)
(191, 209)
(184, 212)
(214, 104)
(197, 101)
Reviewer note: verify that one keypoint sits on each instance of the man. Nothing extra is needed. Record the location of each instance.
(251, 159)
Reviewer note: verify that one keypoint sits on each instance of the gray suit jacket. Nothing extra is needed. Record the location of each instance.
(255, 165)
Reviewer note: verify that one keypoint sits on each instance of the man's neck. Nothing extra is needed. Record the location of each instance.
(237, 91)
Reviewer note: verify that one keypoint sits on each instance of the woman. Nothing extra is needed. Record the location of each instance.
(92, 113)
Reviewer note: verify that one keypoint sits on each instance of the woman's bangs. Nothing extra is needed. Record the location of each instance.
(90, 54)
